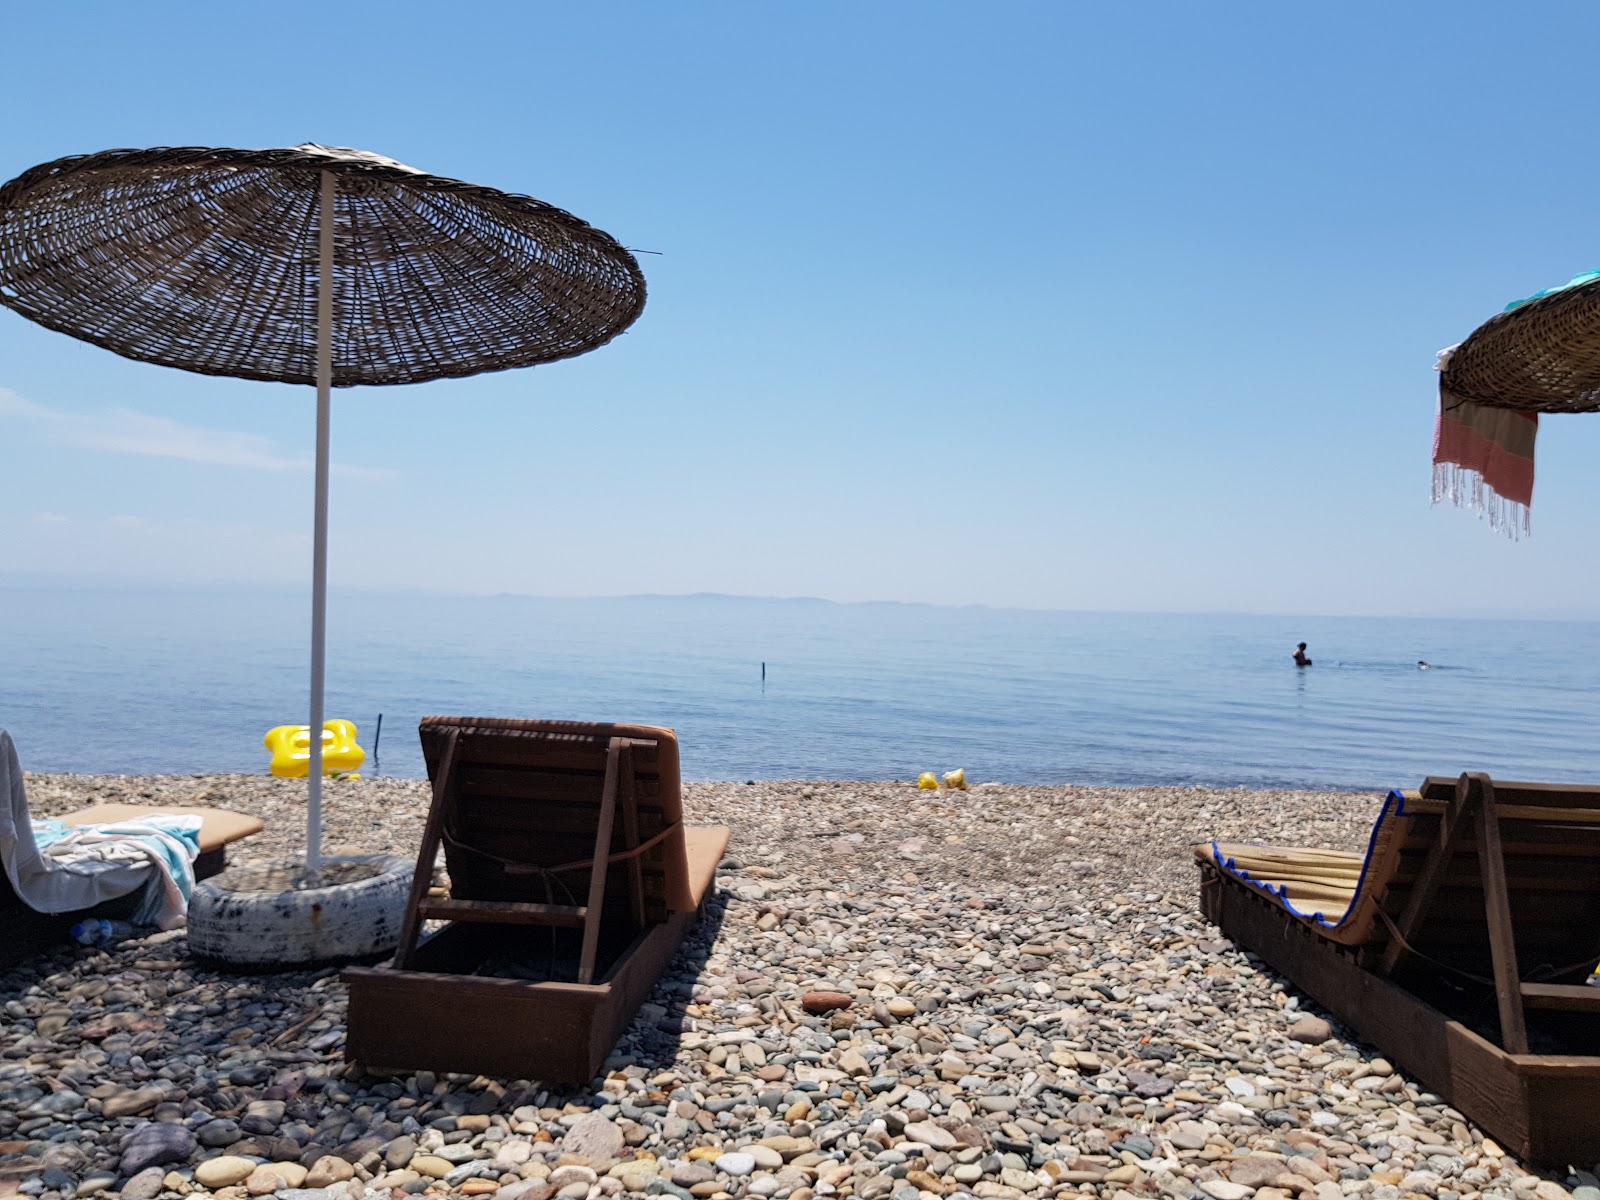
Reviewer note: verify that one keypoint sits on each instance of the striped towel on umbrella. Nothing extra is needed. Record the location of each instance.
(1483, 458)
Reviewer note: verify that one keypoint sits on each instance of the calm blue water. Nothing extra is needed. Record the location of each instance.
(142, 681)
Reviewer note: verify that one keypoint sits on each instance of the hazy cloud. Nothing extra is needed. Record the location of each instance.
(124, 431)
(131, 546)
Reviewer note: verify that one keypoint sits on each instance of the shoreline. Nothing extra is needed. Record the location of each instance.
(1026, 967)
(386, 814)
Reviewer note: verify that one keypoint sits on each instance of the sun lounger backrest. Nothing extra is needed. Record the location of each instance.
(526, 795)
(1551, 846)
(1335, 892)
(1550, 836)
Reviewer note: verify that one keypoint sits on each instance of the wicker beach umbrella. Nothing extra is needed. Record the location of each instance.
(1540, 355)
(312, 264)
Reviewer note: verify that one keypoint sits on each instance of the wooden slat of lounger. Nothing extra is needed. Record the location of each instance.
(535, 783)
(531, 825)
(502, 912)
(432, 833)
(546, 786)
(1312, 892)
(619, 774)
(1512, 814)
(1466, 903)
(1533, 936)
(1298, 870)
(1276, 863)
(629, 803)
(1321, 887)
(1552, 940)
(589, 739)
(524, 890)
(1298, 888)
(1541, 888)
(1527, 837)
(525, 886)
(1261, 858)
(552, 851)
(1579, 997)
(1522, 839)
(563, 829)
(1502, 930)
(1532, 872)
(1270, 850)
(1330, 903)
(1345, 887)
(1559, 795)
(508, 750)
(1460, 881)
(524, 811)
(1558, 937)
(1279, 878)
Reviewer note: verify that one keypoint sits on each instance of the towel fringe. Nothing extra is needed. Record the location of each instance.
(1465, 488)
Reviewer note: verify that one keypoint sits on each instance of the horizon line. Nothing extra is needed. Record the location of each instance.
(148, 583)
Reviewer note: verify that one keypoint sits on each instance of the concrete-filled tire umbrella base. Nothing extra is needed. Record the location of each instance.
(277, 916)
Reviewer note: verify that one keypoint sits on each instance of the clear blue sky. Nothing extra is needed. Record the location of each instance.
(1056, 305)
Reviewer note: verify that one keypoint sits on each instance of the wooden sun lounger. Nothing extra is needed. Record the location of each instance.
(572, 882)
(25, 932)
(1459, 944)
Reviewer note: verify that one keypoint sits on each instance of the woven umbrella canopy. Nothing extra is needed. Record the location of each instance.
(311, 264)
(1540, 355)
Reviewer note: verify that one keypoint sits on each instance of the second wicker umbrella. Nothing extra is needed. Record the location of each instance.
(1538, 355)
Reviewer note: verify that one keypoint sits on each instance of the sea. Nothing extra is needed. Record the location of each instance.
(159, 680)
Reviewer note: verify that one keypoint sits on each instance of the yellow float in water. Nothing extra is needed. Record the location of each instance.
(927, 782)
(291, 749)
(956, 780)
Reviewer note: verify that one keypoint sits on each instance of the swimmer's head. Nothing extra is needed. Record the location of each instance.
(1301, 646)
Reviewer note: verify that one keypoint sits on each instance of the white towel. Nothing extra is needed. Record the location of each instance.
(88, 866)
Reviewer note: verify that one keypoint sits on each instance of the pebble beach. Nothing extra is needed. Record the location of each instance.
(896, 995)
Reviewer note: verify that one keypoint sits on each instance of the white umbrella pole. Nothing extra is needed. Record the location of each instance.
(319, 536)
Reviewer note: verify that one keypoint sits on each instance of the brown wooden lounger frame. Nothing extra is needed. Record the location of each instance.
(1540, 1106)
(519, 807)
(617, 791)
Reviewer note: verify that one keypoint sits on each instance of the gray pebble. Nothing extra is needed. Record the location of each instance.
(155, 1144)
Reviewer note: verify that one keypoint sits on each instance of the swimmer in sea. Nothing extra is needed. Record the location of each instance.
(1300, 659)
(1423, 666)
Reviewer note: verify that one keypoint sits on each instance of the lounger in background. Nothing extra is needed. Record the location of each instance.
(1460, 944)
(573, 880)
(24, 931)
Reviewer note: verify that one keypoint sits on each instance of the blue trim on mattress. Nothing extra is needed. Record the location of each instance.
(1394, 807)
